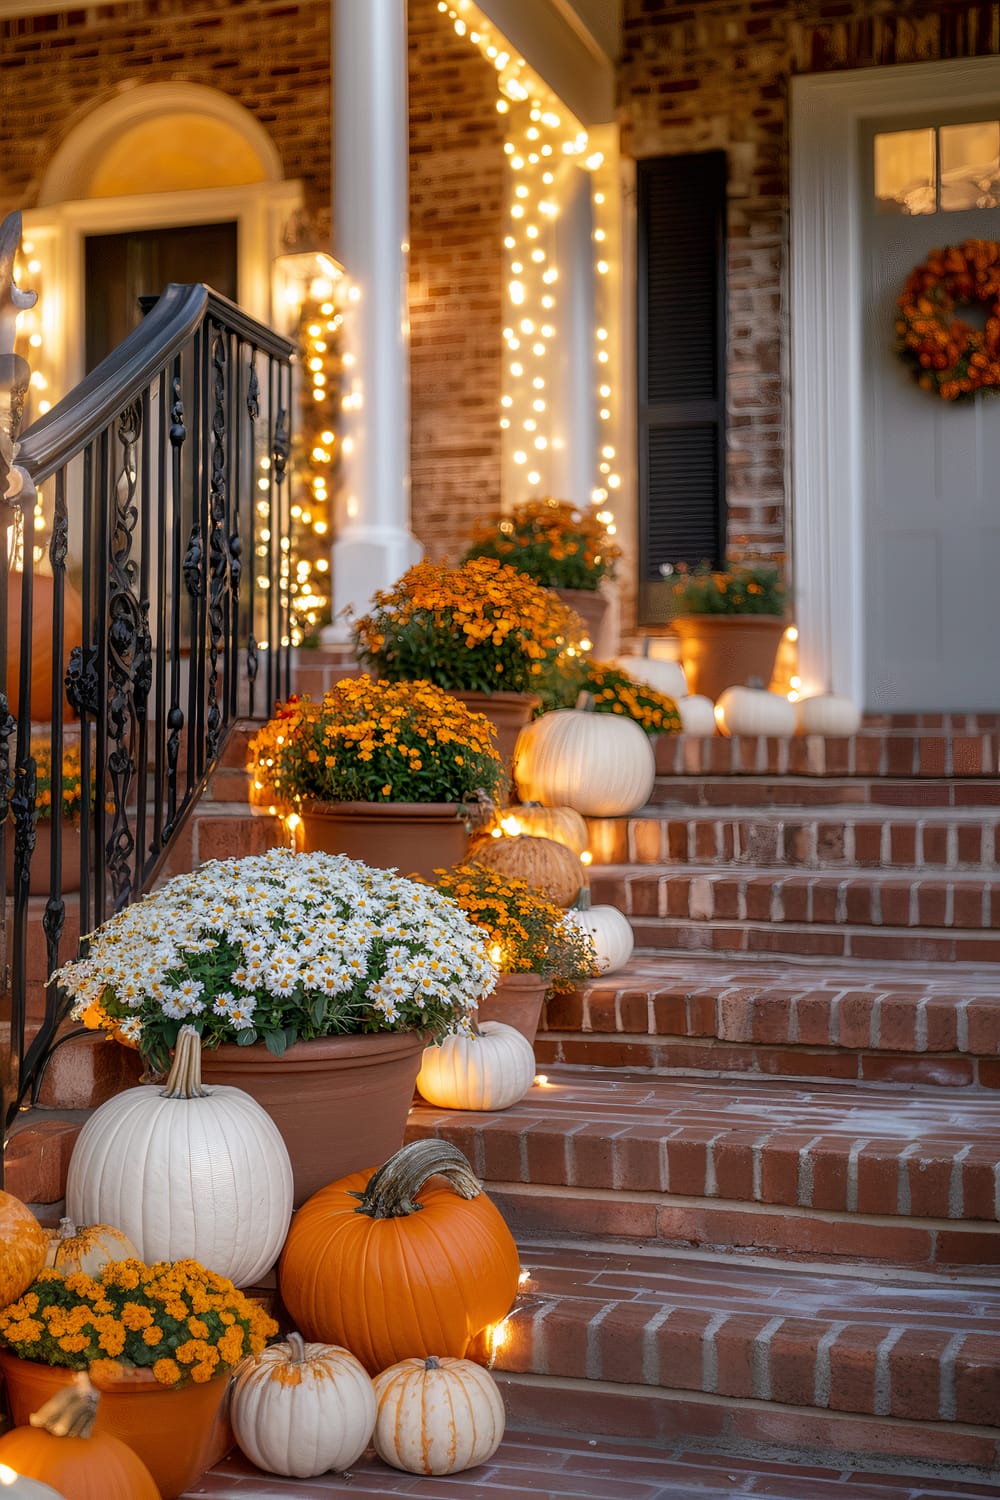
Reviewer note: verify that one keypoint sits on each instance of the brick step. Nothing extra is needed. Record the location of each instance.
(532, 1464)
(905, 1345)
(859, 898)
(804, 941)
(938, 839)
(874, 751)
(822, 791)
(821, 1170)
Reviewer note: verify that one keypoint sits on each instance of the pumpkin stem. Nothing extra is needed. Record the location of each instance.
(391, 1191)
(297, 1344)
(71, 1412)
(585, 703)
(184, 1078)
(432, 1362)
(582, 902)
(67, 1229)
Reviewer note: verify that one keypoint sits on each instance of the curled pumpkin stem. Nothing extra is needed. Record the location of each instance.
(71, 1412)
(297, 1345)
(391, 1191)
(184, 1078)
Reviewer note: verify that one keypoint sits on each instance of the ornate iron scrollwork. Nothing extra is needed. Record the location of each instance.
(125, 630)
(218, 543)
(81, 681)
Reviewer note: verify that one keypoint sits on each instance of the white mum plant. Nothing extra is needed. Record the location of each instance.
(280, 947)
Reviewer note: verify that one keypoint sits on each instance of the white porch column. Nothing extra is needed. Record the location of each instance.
(371, 157)
(574, 461)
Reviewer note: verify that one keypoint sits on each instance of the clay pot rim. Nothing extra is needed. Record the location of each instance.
(125, 1377)
(355, 1047)
(320, 808)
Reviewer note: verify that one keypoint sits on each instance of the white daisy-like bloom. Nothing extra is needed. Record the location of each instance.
(308, 942)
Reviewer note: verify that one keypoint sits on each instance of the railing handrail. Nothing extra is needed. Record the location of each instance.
(73, 422)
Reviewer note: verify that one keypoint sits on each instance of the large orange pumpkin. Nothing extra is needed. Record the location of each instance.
(392, 1268)
(23, 1243)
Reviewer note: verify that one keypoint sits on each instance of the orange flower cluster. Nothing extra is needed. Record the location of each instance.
(178, 1319)
(948, 355)
(480, 627)
(553, 542)
(375, 742)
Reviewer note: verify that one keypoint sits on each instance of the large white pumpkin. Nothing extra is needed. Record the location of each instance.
(437, 1416)
(754, 711)
(186, 1172)
(610, 932)
(302, 1409)
(600, 764)
(663, 676)
(827, 714)
(489, 1071)
(697, 714)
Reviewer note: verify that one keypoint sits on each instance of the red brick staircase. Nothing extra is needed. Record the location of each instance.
(758, 1193)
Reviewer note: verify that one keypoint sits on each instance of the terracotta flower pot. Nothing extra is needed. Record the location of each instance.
(340, 1102)
(415, 838)
(720, 651)
(592, 607)
(177, 1432)
(507, 712)
(517, 1001)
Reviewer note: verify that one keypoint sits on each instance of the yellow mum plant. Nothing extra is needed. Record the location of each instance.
(528, 934)
(482, 627)
(616, 692)
(376, 742)
(177, 1319)
(553, 542)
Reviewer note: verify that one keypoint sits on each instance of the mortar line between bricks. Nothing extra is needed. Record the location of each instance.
(760, 1359)
(709, 1398)
(821, 1368)
(709, 1352)
(882, 1404)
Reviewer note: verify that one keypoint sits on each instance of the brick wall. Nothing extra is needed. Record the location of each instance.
(714, 75)
(456, 281)
(274, 59)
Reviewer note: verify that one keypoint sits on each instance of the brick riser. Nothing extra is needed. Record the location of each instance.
(891, 750)
(725, 792)
(815, 838)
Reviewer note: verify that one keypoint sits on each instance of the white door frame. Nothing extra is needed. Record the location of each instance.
(826, 521)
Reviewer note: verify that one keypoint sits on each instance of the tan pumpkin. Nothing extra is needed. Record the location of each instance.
(600, 764)
(489, 1070)
(608, 929)
(437, 1416)
(544, 864)
(563, 825)
(88, 1249)
(23, 1243)
(301, 1409)
(754, 711)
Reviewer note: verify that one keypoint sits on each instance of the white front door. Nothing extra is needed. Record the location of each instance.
(930, 468)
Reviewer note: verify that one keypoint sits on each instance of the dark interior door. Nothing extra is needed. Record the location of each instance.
(121, 268)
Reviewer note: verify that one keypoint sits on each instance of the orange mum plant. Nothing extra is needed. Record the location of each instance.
(553, 542)
(177, 1319)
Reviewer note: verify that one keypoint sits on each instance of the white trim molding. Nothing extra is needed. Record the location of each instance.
(826, 377)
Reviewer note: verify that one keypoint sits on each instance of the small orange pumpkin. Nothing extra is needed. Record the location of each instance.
(61, 1449)
(363, 1268)
(23, 1243)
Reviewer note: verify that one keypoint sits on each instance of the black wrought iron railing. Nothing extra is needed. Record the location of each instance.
(144, 604)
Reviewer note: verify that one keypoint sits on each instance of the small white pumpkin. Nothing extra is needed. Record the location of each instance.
(87, 1249)
(608, 929)
(489, 1070)
(600, 764)
(754, 711)
(301, 1409)
(186, 1172)
(663, 676)
(697, 715)
(437, 1416)
(14, 1486)
(827, 714)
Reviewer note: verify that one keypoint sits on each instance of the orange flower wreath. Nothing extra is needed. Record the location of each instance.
(948, 355)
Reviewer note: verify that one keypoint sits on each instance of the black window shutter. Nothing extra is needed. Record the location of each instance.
(681, 245)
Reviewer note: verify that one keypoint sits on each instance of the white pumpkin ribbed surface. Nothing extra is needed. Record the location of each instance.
(438, 1420)
(663, 676)
(600, 764)
(303, 1418)
(754, 711)
(697, 714)
(207, 1178)
(827, 714)
(491, 1071)
(610, 932)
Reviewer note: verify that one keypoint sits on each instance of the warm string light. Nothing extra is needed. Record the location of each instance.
(29, 343)
(542, 136)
